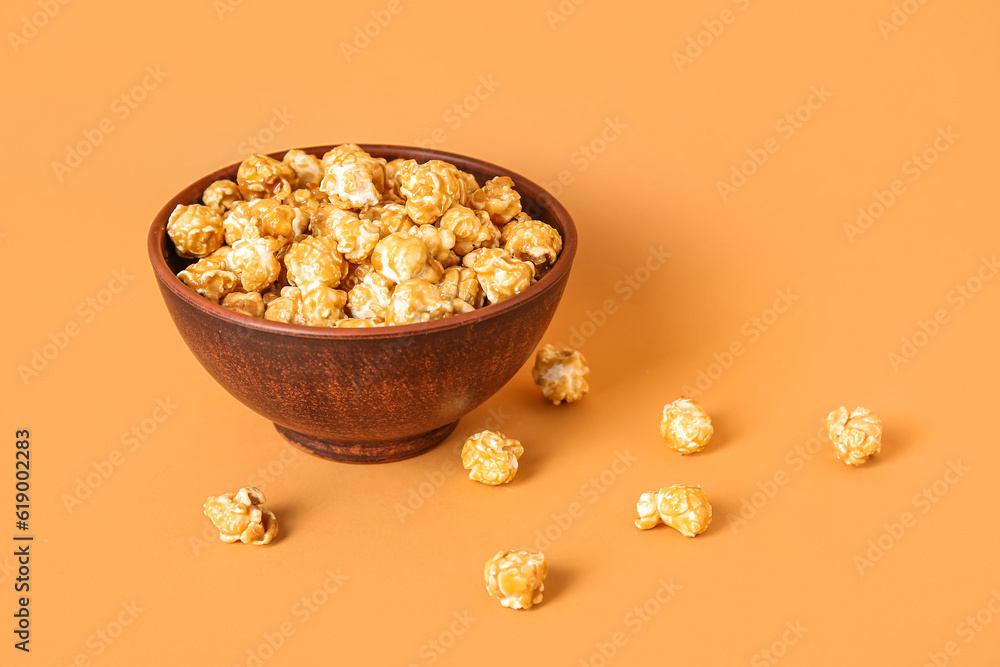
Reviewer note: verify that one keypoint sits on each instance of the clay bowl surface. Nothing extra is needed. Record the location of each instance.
(366, 395)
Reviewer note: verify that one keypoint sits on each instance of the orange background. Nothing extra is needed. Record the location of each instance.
(672, 131)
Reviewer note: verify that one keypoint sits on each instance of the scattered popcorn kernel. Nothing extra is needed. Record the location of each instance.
(430, 189)
(248, 303)
(532, 241)
(561, 373)
(684, 508)
(209, 277)
(400, 257)
(351, 174)
(855, 436)
(471, 231)
(221, 196)
(685, 426)
(416, 300)
(501, 275)
(491, 457)
(254, 262)
(306, 167)
(261, 177)
(196, 230)
(239, 516)
(315, 259)
(516, 578)
(459, 282)
(499, 199)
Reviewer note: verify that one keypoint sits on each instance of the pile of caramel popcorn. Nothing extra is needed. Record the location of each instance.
(351, 240)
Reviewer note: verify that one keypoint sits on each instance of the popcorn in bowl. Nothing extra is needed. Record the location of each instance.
(361, 238)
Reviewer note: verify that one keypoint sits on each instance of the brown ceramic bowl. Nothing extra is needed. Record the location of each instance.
(366, 395)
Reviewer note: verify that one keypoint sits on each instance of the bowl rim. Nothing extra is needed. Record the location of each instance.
(156, 242)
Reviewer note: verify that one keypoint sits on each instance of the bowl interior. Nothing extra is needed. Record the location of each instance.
(535, 201)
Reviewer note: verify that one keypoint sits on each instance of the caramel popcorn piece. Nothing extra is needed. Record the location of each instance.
(459, 282)
(356, 238)
(261, 217)
(356, 274)
(685, 426)
(439, 242)
(391, 194)
(308, 199)
(499, 199)
(416, 300)
(210, 276)
(315, 305)
(286, 308)
(322, 306)
(305, 203)
(357, 323)
(516, 578)
(684, 508)
(352, 175)
(531, 241)
(855, 436)
(260, 177)
(388, 217)
(370, 297)
(315, 259)
(472, 229)
(561, 373)
(239, 516)
(400, 257)
(501, 275)
(491, 457)
(248, 303)
(430, 189)
(196, 230)
(254, 263)
(221, 196)
(307, 167)
(470, 185)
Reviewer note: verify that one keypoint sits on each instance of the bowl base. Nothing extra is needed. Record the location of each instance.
(378, 452)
